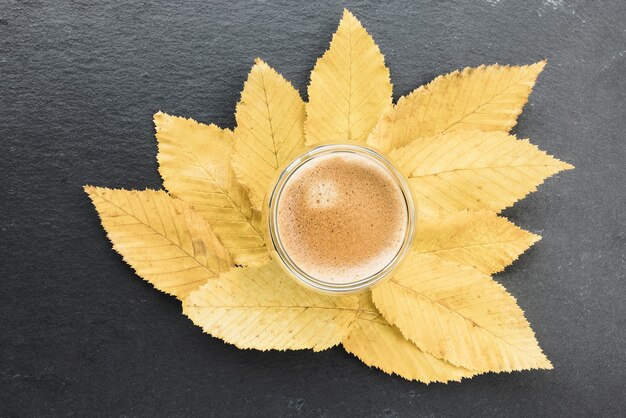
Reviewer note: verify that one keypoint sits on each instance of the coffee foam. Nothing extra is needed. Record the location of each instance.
(341, 217)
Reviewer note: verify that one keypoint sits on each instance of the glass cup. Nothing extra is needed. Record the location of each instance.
(272, 234)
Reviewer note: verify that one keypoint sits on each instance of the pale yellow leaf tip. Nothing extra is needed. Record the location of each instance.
(158, 118)
(566, 165)
(533, 239)
(262, 65)
(536, 69)
(349, 18)
(347, 14)
(539, 66)
(260, 62)
(560, 164)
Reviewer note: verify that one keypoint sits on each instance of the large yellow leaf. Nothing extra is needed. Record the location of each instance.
(379, 344)
(194, 161)
(481, 239)
(263, 308)
(473, 170)
(456, 313)
(162, 238)
(349, 87)
(269, 129)
(488, 98)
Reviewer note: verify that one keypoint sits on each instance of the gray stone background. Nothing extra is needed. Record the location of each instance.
(80, 335)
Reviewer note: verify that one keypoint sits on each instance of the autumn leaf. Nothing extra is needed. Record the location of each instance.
(162, 239)
(482, 240)
(263, 308)
(379, 344)
(269, 131)
(458, 314)
(487, 98)
(349, 87)
(194, 161)
(473, 170)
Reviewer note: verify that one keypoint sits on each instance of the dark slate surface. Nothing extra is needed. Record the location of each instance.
(81, 335)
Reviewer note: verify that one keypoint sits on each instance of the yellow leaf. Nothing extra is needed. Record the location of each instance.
(269, 131)
(263, 308)
(482, 239)
(487, 98)
(473, 170)
(349, 87)
(162, 238)
(379, 344)
(194, 161)
(456, 313)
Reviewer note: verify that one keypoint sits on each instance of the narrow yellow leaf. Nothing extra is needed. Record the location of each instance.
(161, 237)
(263, 308)
(194, 161)
(473, 170)
(379, 344)
(481, 239)
(487, 98)
(349, 89)
(456, 313)
(269, 133)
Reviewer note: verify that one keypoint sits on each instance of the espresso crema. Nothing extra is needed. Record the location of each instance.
(342, 217)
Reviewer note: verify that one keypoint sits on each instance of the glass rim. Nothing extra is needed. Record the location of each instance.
(273, 235)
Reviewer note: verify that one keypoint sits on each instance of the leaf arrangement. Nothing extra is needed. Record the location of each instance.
(441, 317)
